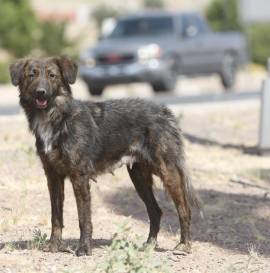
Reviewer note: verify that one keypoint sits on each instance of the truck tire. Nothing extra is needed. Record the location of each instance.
(228, 71)
(95, 90)
(166, 84)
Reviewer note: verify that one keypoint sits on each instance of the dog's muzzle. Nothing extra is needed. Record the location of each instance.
(41, 98)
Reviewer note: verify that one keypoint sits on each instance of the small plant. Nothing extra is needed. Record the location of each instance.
(249, 265)
(39, 239)
(10, 247)
(128, 254)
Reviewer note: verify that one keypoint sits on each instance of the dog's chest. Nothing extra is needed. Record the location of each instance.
(44, 131)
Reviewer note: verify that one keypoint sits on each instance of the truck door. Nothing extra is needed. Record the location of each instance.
(197, 46)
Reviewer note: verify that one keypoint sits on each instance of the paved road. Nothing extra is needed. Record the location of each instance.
(9, 110)
(211, 98)
(174, 100)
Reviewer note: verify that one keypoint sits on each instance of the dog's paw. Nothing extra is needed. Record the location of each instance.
(182, 249)
(84, 250)
(151, 242)
(52, 246)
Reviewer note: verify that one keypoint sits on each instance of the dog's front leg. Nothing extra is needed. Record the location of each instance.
(81, 189)
(56, 189)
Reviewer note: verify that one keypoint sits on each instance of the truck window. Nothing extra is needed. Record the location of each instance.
(193, 25)
(202, 25)
(147, 26)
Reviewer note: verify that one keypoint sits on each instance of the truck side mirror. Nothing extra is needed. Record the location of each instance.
(190, 31)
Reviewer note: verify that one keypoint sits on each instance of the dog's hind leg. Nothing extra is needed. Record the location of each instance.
(176, 185)
(56, 189)
(141, 176)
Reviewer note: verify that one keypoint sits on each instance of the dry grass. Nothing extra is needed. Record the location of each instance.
(237, 216)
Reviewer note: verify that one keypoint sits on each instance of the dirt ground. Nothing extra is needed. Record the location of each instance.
(232, 181)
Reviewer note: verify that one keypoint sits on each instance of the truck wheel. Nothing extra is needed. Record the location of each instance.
(228, 72)
(166, 84)
(95, 90)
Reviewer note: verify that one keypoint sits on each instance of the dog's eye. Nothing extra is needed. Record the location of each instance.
(52, 76)
(31, 75)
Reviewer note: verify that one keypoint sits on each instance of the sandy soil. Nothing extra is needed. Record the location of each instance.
(220, 146)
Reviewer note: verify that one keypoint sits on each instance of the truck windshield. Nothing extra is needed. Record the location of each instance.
(148, 26)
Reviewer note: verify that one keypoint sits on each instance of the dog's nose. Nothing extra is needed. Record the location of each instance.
(41, 91)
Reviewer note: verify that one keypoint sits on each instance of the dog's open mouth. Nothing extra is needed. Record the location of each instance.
(41, 103)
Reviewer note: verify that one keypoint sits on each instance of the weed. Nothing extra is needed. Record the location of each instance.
(249, 265)
(10, 247)
(128, 254)
(39, 239)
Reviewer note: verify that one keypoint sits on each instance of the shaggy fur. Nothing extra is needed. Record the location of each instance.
(81, 140)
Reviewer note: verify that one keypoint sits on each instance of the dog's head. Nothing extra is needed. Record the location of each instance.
(42, 81)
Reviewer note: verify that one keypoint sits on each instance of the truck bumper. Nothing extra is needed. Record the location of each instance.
(149, 71)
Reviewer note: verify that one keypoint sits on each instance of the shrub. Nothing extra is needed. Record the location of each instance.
(259, 41)
(125, 255)
(21, 32)
(52, 38)
(223, 15)
(18, 27)
(4, 73)
(154, 4)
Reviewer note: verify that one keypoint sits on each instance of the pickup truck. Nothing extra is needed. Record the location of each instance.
(156, 47)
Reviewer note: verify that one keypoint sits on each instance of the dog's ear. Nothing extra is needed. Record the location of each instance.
(16, 71)
(68, 68)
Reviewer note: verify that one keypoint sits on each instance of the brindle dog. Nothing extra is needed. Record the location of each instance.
(80, 140)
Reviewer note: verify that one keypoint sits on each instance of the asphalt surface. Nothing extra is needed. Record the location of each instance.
(9, 110)
(169, 99)
(208, 98)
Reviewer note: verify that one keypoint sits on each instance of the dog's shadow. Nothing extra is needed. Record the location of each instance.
(232, 221)
(67, 245)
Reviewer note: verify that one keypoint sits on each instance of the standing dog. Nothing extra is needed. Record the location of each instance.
(81, 140)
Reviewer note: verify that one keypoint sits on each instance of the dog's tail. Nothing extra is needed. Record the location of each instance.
(179, 155)
(192, 198)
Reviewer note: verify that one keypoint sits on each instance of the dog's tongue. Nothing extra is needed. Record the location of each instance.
(41, 103)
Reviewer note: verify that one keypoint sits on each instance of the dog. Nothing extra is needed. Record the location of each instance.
(81, 139)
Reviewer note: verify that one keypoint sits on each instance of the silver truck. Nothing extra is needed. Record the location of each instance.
(156, 47)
